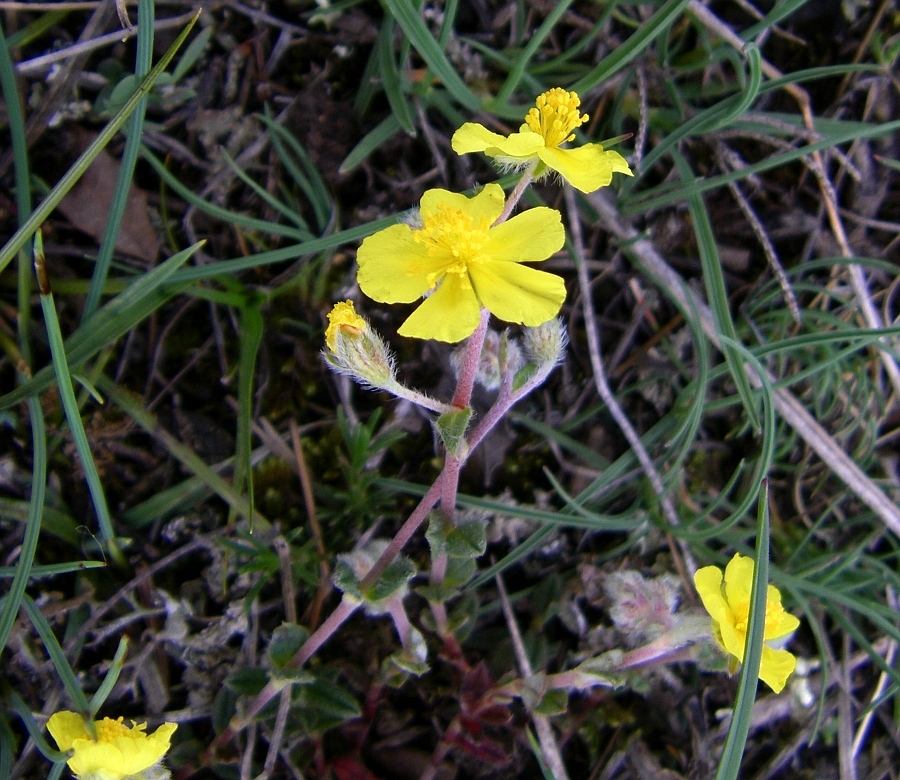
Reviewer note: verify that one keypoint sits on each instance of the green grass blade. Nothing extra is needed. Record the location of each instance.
(252, 329)
(58, 658)
(135, 128)
(32, 524)
(70, 403)
(386, 129)
(537, 38)
(732, 753)
(649, 30)
(133, 407)
(392, 78)
(265, 196)
(112, 675)
(54, 569)
(240, 220)
(24, 712)
(119, 316)
(418, 34)
(714, 281)
(40, 214)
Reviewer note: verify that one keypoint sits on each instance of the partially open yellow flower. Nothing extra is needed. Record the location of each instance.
(728, 602)
(467, 263)
(547, 126)
(119, 752)
(343, 319)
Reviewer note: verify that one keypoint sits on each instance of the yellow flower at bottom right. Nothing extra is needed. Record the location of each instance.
(727, 599)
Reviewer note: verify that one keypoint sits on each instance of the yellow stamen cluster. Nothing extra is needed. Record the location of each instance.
(108, 729)
(450, 231)
(555, 116)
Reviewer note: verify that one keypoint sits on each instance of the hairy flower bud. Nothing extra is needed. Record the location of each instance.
(490, 369)
(354, 349)
(545, 344)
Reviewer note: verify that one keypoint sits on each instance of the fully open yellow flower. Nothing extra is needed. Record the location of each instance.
(547, 126)
(728, 603)
(118, 752)
(466, 262)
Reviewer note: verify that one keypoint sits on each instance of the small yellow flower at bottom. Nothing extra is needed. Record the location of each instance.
(343, 319)
(547, 126)
(118, 752)
(466, 262)
(727, 599)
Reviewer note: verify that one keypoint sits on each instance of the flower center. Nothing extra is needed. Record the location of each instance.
(450, 231)
(555, 116)
(108, 729)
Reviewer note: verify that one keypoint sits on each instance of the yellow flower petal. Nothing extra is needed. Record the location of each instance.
(587, 168)
(472, 137)
(65, 727)
(517, 293)
(528, 237)
(394, 267)
(451, 313)
(775, 667)
(727, 599)
(486, 205)
(343, 319)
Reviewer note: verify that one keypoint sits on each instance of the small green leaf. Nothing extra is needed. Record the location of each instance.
(286, 641)
(329, 699)
(554, 702)
(247, 682)
(452, 428)
(467, 540)
(392, 579)
(459, 572)
(345, 579)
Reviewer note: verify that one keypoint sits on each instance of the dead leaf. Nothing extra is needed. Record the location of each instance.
(87, 204)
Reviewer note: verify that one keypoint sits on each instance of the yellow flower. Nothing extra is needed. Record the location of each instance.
(468, 263)
(548, 125)
(343, 319)
(728, 603)
(118, 752)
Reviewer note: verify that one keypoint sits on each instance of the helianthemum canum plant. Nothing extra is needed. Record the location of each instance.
(466, 257)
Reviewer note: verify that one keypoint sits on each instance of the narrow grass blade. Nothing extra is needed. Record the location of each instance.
(109, 681)
(412, 24)
(58, 658)
(655, 26)
(126, 166)
(54, 569)
(392, 78)
(36, 734)
(70, 404)
(714, 281)
(119, 316)
(32, 525)
(382, 132)
(730, 763)
(252, 328)
(265, 196)
(74, 173)
(183, 454)
(534, 43)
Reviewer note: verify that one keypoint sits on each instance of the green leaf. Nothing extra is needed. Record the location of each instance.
(467, 540)
(452, 428)
(247, 682)
(286, 640)
(392, 579)
(554, 702)
(327, 698)
(345, 579)
(459, 572)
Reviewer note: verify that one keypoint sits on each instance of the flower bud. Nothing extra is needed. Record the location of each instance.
(354, 349)
(545, 344)
(489, 373)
